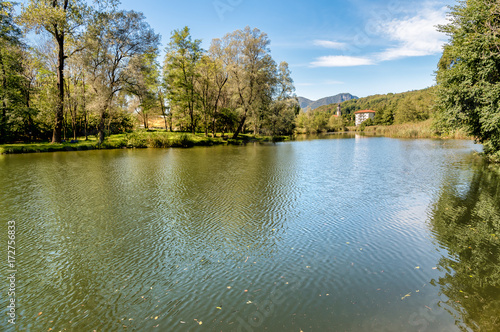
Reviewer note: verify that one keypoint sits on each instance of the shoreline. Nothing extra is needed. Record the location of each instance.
(162, 139)
(138, 140)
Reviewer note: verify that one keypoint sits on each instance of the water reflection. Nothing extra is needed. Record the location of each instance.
(466, 221)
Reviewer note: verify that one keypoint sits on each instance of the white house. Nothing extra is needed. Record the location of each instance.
(363, 116)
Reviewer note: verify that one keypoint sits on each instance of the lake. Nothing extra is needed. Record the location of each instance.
(344, 233)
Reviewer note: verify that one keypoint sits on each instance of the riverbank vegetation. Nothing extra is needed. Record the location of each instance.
(410, 108)
(468, 77)
(97, 71)
(139, 139)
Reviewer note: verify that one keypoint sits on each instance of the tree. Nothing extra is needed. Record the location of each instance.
(251, 69)
(280, 120)
(61, 19)
(468, 73)
(114, 41)
(146, 71)
(11, 68)
(183, 55)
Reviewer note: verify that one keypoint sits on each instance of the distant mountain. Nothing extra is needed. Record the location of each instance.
(304, 102)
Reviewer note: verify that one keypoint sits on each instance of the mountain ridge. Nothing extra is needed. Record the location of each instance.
(313, 104)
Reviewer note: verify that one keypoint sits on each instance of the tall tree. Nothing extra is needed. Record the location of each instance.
(183, 55)
(146, 71)
(468, 73)
(114, 41)
(62, 19)
(280, 120)
(220, 82)
(252, 71)
(10, 65)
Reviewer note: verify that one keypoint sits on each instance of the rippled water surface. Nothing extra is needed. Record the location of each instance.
(351, 234)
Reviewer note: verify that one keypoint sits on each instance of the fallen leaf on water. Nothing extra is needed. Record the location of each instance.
(200, 322)
(407, 295)
(156, 317)
(249, 302)
(434, 268)
(183, 322)
(428, 308)
(39, 313)
(228, 287)
(417, 267)
(219, 308)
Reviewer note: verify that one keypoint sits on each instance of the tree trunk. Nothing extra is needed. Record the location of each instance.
(193, 125)
(101, 126)
(3, 120)
(85, 109)
(56, 135)
(240, 126)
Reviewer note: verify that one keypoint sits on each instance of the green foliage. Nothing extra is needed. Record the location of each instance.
(408, 107)
(469, 73)
(183, 55)
(412, 106)
(12, 83)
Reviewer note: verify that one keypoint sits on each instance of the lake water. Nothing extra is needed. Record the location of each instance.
(337, 234)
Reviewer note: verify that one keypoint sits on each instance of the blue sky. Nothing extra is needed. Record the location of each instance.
(359, 46)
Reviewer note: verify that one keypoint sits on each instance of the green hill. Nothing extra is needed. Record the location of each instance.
(411, 106)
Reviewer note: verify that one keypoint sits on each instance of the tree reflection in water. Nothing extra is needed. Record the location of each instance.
(466, 221)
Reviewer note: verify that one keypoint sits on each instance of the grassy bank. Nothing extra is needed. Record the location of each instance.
(411, 130)
(138, 139)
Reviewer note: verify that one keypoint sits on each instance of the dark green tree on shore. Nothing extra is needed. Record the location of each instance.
(468, 73)
(11, 50)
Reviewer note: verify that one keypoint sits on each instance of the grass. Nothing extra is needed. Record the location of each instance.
(138, 139)
(422, 129)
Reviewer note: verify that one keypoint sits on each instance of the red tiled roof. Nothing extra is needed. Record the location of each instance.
(365, 111)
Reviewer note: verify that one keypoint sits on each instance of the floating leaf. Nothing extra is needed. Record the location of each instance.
(407, 295)
(219, 308)
(156, 317)
(39, 313)
(200, 322)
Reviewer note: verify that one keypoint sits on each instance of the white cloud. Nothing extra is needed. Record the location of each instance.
(414, 36)
(341, 61)
(330, 44)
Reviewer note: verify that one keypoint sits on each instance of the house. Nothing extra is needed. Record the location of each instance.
(362, 116)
